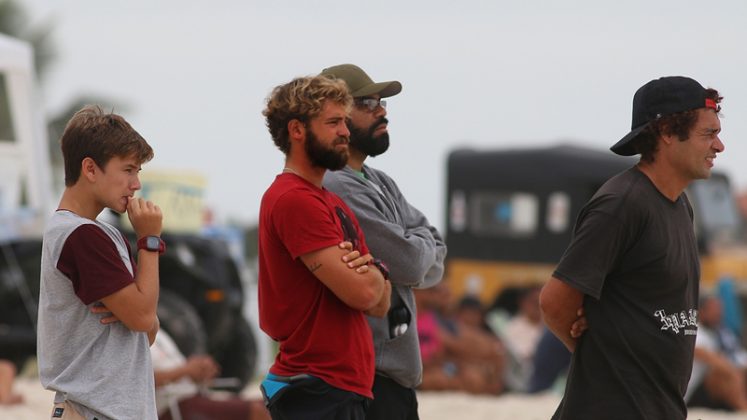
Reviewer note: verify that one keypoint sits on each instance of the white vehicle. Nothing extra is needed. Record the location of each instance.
(25, 181)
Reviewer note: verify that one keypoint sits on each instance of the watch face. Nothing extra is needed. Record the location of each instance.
(153, 243)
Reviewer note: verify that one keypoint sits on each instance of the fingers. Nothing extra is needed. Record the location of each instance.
(102, 309)
(346, 245)
(579, 325)
(351, 256)
(109, 320)
(145, 216)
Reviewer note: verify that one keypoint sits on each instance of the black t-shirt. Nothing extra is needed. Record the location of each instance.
(634, 256)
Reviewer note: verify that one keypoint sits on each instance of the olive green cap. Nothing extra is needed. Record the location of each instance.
(359, 83)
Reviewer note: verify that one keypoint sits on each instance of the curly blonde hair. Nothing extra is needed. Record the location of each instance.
(301, 99)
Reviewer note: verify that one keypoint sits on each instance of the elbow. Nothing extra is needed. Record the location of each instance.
(368, 299)
(142, 323)
(367, 296)
(548, 306)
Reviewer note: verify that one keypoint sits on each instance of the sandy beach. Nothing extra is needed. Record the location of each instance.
(433, 405)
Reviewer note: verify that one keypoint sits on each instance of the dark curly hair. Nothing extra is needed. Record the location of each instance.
(678, 124)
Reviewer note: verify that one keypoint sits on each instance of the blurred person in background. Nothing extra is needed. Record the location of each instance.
(719, 376)
(7, 377)
(184, 381)
(456, 356)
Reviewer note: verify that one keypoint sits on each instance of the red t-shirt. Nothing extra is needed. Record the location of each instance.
(318, 333)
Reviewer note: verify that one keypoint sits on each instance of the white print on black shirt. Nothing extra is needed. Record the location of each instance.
(677, 322)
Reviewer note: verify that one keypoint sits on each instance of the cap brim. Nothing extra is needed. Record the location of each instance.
(383, 89)
(624, 147)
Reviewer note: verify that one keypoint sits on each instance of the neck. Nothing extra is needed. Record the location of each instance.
(75, 201)
(664, 179)
(356, 159)
(310, 173)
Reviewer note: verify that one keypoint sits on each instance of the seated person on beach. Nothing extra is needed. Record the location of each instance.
(515, 318)
(7, 377)
(183, 379)
(719, 376)
(456, 355)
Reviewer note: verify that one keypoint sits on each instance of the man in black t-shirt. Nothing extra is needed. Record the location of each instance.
(633, 264)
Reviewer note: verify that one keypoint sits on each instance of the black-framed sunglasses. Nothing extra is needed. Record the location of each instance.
(370, 103)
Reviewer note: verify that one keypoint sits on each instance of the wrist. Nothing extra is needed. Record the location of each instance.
(152, 243)
(381, 266)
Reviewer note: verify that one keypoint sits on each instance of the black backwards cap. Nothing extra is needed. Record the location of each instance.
(659, 98)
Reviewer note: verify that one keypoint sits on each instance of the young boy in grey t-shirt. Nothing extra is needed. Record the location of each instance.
(97, 310)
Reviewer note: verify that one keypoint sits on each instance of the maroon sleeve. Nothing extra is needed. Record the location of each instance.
(90, 259)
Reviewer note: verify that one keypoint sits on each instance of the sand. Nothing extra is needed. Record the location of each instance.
(433, 406)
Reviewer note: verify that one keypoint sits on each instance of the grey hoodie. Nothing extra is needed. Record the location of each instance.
(400, 235)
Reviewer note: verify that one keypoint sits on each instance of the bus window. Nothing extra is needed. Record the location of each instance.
(558, 212)
(6, 124)
(503, 214)
(458, 211)
(715, 209)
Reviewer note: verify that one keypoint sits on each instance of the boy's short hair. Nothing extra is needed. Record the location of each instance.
(93, 133)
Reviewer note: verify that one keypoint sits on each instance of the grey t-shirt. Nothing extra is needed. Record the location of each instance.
(105, 371)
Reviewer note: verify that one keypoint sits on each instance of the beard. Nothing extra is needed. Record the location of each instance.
(325, 157)
(364, 141)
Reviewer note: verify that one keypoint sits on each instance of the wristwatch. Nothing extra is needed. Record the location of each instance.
(381, 266)
(152, 243)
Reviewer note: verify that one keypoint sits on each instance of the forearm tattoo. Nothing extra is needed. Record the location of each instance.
(315, 266)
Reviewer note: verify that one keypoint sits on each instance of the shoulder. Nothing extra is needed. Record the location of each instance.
(629, 189)
(379, 175)
(289, 190)
(89, 237)
(63, 224)
(342, 182)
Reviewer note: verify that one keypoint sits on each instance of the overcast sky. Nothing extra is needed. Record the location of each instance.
(487, 74)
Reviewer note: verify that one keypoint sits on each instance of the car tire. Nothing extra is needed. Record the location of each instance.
(239, 358)
(180, 320)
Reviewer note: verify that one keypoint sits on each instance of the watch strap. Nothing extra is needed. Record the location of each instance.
(381, 266)
(152, 243)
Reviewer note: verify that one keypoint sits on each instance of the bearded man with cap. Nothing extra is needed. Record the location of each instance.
(633, 264)
(397, 233)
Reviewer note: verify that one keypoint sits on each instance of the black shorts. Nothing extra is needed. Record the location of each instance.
(392, 401)
(310, 398)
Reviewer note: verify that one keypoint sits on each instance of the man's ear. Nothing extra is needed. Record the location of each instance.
(88, 169)
(669, 139)
(296, 130)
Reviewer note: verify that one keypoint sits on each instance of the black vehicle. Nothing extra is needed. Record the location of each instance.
(200, 304)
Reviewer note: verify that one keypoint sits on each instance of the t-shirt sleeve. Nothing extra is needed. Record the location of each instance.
(304, 223)
(598, 242)
(91, 261)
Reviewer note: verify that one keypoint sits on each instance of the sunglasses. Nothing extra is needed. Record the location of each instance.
(370, 103)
